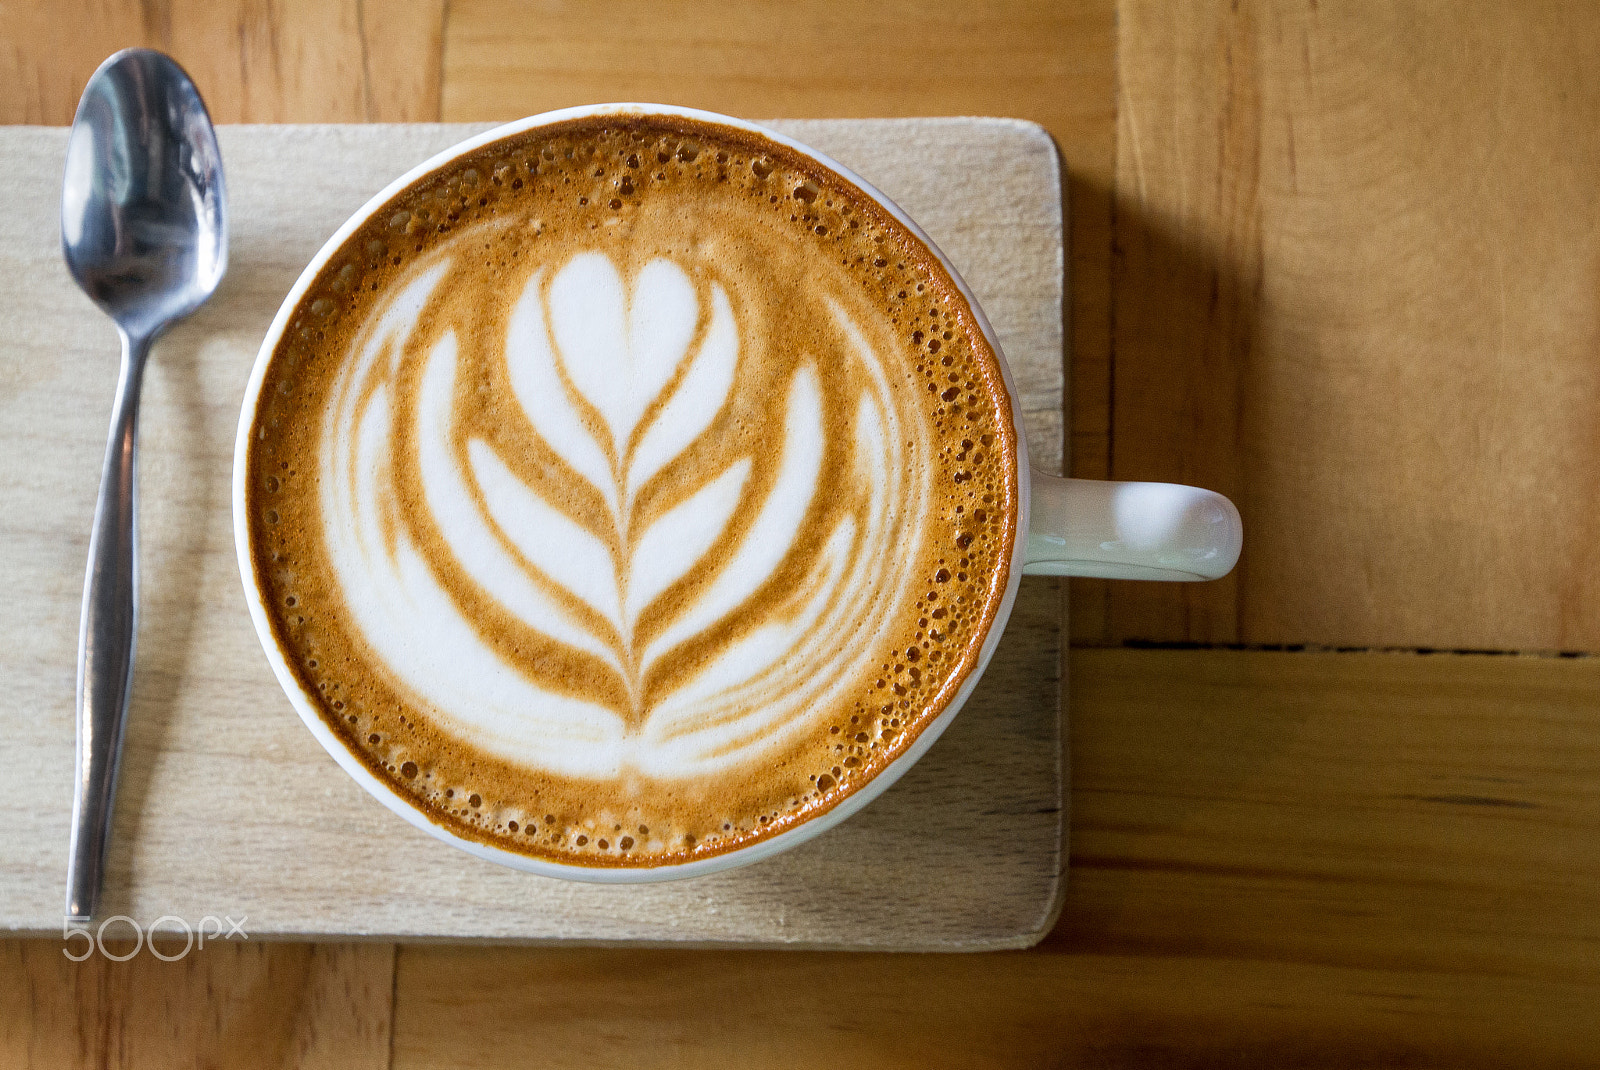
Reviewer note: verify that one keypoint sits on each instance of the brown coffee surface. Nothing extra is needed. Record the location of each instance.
(415, 483)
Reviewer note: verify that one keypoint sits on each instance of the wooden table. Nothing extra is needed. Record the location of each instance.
(1341, 262)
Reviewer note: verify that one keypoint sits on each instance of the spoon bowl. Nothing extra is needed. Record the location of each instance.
(143, 204)
(144, 229)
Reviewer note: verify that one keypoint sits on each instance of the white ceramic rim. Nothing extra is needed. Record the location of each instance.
(601, 874)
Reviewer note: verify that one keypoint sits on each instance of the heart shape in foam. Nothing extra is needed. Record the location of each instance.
(620, 350)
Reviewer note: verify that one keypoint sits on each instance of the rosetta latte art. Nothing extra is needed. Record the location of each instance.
(676, 601)
(629, 490)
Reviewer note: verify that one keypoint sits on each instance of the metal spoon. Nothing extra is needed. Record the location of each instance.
(144, 228)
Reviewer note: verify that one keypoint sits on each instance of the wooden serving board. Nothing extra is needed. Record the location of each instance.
(227, 805)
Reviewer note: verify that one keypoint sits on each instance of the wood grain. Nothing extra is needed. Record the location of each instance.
(1022, 1010)
(1357, 288)
(1051, 63)
(976, 828)
(237, 1004)
(1279, 860)
(1404, 811)
(255, 61)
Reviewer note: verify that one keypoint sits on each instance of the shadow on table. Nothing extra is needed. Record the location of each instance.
(1185, 358)
(1186, 368)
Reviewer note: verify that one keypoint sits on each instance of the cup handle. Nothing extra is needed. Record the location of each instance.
(1130, 531)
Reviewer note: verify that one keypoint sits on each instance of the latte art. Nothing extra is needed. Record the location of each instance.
(630, 490)
(618, 380)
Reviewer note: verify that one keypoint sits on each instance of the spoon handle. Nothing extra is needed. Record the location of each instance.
(105, 638)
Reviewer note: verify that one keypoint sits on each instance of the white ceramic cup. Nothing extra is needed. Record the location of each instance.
(1073, 527)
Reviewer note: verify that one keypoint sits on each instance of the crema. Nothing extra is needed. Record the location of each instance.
(630, 490)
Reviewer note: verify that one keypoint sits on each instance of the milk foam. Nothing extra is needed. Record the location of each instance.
(630, 491)
(630, 350)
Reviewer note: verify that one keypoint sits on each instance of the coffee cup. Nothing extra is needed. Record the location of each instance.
(558, 547)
